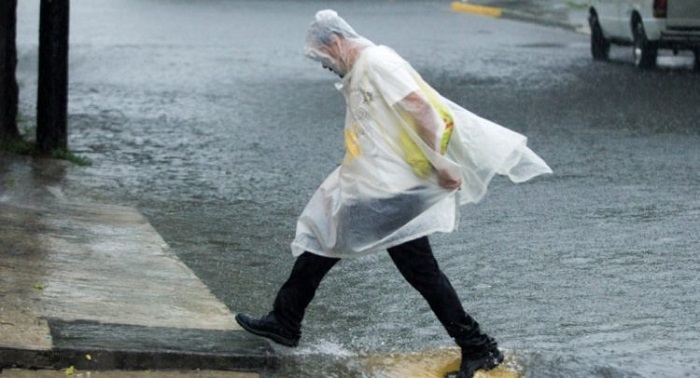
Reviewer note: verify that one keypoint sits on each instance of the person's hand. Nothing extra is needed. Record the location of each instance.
(448, 180)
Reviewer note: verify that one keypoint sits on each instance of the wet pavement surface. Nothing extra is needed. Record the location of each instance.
(206, 118)
(570, 14)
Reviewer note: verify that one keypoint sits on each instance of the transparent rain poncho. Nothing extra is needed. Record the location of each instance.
(401, 136)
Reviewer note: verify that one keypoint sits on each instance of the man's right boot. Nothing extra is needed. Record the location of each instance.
(485, 356)
(479, 351)
(269, 327)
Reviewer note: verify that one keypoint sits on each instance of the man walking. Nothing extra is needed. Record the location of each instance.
(412, 158)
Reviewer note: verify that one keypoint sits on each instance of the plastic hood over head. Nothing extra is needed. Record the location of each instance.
(333, 42)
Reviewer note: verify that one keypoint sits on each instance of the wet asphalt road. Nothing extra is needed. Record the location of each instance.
(207, 118)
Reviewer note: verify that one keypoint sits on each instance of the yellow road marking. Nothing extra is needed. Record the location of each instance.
(481, 10)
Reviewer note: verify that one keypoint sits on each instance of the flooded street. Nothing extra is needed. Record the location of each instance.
(206, 117)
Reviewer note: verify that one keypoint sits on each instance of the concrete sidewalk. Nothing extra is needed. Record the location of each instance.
(95, 287)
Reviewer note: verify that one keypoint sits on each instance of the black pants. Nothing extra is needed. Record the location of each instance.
(415, 261)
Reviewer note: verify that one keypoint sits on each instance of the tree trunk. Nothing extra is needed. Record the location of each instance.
(52, 99)
(8, 64)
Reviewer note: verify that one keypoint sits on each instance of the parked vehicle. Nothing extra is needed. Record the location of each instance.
(647, 26)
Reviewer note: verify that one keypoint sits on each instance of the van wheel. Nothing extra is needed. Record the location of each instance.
(600, 46)
(643, 50)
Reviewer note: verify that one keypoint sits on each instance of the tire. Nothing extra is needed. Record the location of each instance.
(643, 51)
(600, 46)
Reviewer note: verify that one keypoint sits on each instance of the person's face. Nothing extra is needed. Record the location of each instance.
(331, 59)
(328, 64)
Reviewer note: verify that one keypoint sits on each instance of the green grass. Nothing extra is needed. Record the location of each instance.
(18, 146)
(23, 147)
(71, 157)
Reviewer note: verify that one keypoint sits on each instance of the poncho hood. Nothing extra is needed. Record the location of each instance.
(331, 41)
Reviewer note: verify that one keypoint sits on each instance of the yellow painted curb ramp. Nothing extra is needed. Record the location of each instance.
(430, 364)
(481, 10)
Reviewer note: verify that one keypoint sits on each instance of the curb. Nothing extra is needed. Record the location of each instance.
(89, 345)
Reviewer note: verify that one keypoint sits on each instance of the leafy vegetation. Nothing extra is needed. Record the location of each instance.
(23, 146)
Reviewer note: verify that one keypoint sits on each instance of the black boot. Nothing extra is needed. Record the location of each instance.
(479, 351)
(485, 356)
(270, 328)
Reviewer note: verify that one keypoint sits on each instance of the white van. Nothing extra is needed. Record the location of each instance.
(647, 25)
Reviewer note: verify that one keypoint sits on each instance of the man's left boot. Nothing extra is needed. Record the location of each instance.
(269, 327)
